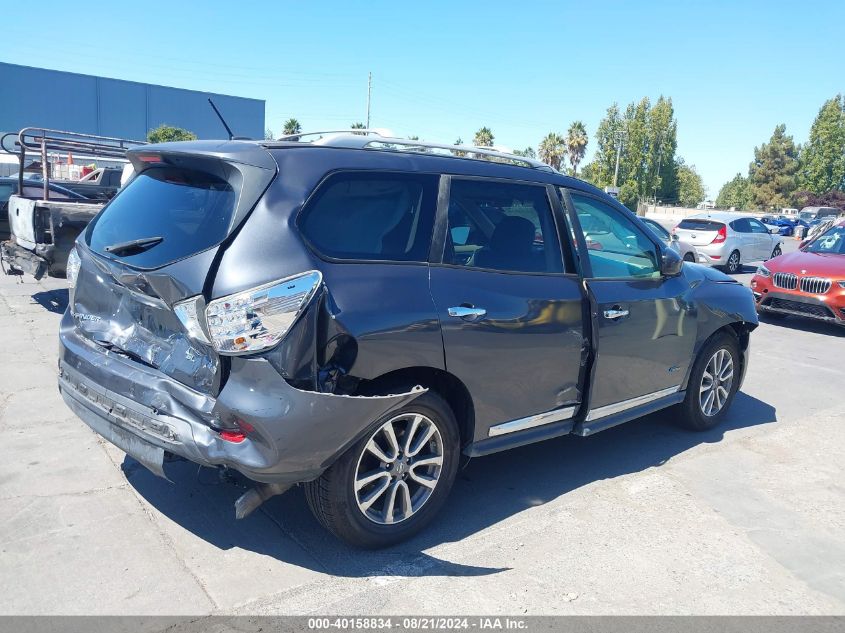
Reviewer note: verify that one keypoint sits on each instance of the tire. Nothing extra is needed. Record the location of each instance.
(733, 265)
(691, 412)
(777, 252)
(689, 257)
(338, 506)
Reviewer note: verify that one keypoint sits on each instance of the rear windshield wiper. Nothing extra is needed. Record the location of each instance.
(133, 247)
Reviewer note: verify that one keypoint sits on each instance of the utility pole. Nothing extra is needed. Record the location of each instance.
(618, 151)
(369, 94)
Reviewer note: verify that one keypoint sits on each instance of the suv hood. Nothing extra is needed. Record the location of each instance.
(811, 264)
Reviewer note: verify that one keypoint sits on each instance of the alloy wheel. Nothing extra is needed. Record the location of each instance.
(777, 252)
(716, 382)
(398, 468)
(733, 262)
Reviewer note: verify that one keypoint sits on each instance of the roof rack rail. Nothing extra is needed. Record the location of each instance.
(375, 139)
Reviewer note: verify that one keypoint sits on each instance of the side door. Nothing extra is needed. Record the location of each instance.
(747, 242)
(763, 240)
(643, 328)
(510, 303)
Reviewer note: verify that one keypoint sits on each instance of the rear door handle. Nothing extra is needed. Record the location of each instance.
(467, 313)
(615, 313)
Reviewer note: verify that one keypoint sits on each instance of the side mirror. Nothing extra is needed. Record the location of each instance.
(675, 238)
(670, 263)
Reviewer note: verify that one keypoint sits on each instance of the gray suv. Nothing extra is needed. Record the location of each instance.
(359, 314)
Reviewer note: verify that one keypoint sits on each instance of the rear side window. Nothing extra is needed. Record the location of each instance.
(189, 210)
(691, 224)
(372, 216)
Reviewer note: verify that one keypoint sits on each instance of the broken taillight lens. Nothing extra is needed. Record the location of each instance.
(72, 268)
(257, 319)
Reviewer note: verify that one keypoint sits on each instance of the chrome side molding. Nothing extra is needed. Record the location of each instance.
(555, 415)
(617, 407)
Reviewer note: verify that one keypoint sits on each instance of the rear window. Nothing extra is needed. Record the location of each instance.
(190, 210)
(374, 216)
(692, 224)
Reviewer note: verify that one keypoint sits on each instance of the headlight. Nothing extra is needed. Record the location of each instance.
(763, 271)
(252, 320)
(72, 268)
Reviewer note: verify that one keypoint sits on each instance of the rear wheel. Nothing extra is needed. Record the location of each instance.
(732, 266)
(689, 257)
(713, 383)
(391, 483)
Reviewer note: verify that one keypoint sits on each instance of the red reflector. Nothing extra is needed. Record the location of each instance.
(150, 158)
(235, 437)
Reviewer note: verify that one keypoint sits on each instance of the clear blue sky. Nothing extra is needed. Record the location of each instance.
(734, 69)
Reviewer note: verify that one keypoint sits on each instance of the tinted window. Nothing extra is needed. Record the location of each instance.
(190, 210)
(501, 226)
(692, 224)
(616, 246)
(741, 225)
(386, 217)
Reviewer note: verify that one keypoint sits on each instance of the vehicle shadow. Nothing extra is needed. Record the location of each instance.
(804, 325)
(53, 300)
(489, 490)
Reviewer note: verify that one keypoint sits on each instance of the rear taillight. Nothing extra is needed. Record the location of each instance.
(72, 267)
(252, 320)
(721, 236)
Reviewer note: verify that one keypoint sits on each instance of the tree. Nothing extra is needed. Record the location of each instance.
(576, 144)
(734, 194)
(552, 150)
(291, 127)
(690, 186)
(832, 198)
(528, 152)
(773, 173)
(458, 152)
(166, 133)
(483, 138)
(608, 135)
(268, 134)
(358, 126)
(823, 158)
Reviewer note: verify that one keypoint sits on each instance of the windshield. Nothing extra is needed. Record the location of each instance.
(833, 242)
(189, 210)
(807, 215)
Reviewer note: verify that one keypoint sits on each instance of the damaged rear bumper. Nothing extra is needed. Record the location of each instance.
(291, 435)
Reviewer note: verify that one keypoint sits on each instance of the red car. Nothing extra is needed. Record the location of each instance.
(809, 282)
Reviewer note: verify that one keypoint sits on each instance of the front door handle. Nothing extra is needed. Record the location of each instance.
(615, 313)
(467, 313)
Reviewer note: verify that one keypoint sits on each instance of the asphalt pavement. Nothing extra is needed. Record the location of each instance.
(644, 518)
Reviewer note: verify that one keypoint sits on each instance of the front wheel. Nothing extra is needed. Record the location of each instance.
(392, 482)
(713, 383)
(777, 252)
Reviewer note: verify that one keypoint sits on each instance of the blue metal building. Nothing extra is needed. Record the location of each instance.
(37, 97)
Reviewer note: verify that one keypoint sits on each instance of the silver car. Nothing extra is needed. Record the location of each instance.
(729, 240)
(684, 249)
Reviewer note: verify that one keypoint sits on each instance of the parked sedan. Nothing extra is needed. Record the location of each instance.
(809, 282)
(684, 249)
(728, 240)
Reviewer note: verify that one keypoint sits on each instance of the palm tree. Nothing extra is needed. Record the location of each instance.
(268, 134)
(483, 138)
(457, 152)
(291, 127)
(552, 150)
(528, 152)
(358, 126)
(576, 144)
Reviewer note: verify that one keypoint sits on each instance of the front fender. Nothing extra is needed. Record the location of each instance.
(719, 301)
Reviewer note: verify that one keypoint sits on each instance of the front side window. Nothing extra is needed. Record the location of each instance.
(757, 227)
(501, 226)
(616, 246)
(372, 216)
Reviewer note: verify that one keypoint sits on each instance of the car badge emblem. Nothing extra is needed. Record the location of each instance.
(803, 272)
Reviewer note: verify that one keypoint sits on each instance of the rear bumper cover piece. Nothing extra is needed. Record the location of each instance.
(291, 435)
(18, 258)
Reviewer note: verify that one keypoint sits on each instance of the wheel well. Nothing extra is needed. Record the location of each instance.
(443, 383)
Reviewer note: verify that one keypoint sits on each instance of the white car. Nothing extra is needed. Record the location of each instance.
(729, 240)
